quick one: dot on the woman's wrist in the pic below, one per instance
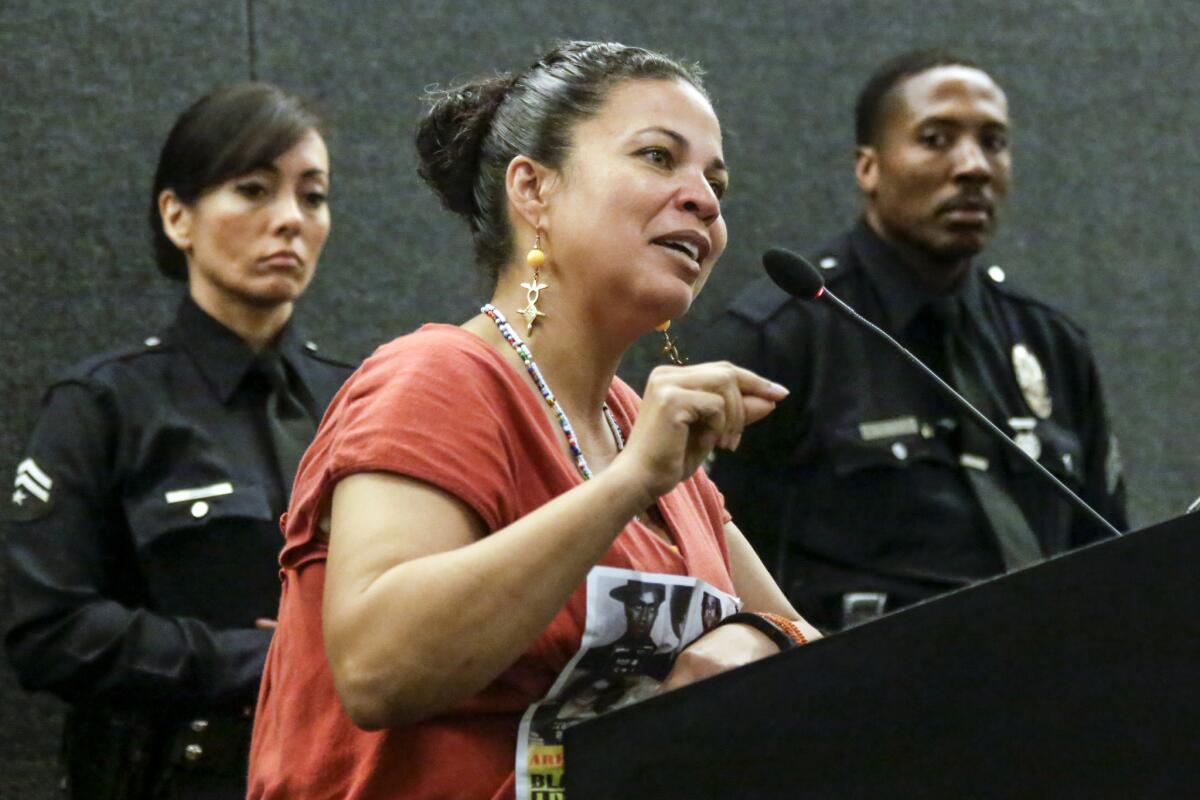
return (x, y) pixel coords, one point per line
(626, 488)
(780, 630)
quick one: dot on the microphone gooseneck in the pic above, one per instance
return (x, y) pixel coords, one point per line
(797, 277)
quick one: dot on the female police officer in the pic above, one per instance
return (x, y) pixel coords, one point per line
(142, 558)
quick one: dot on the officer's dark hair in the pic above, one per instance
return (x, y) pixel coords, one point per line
(230, 131)
(869, 110)
(472, 131)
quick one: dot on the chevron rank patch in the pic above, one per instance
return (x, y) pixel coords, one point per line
(32, 495)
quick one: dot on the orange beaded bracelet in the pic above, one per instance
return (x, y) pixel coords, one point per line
(787, 626)
(780, 630)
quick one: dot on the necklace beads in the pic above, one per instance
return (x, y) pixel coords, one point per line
(531, 367)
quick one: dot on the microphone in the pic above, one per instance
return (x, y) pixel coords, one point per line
(797, 277)
(793, 274)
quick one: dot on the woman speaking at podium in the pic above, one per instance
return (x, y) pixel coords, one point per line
(467, 479)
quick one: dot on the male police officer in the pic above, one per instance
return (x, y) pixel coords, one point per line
(865, 491)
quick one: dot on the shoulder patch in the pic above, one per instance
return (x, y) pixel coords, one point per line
(33, 493)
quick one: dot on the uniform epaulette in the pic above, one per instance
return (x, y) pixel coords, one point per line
(313, 351)
(759, 301)
(995, 279)
(88, 366)
(832, 264)
(763, 299)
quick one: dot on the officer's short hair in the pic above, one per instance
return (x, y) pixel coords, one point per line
(868, 111)
(230, 131)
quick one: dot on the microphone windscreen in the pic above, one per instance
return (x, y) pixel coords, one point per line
(793, 273)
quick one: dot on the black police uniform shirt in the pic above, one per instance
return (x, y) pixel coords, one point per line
(144, 531)
(853, 491)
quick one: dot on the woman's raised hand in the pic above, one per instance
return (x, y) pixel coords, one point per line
(686, 412)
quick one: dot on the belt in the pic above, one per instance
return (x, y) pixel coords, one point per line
(213, 744)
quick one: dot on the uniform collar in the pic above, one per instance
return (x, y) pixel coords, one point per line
(900, 293)
(219, 353)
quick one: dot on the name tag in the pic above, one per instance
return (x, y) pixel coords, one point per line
(972, 461)
(888, 428)
(199, 493)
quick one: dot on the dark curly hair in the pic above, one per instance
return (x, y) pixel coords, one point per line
(472, 131)
(230, 131)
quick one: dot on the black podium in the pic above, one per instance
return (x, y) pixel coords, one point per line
(1075, 678)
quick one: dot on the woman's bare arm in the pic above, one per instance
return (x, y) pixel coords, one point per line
(422, 609)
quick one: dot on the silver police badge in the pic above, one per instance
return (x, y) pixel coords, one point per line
(1032, 380)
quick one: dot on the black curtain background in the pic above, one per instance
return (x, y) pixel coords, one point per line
(1107, 170)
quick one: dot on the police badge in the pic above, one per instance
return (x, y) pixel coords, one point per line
(1032, 380)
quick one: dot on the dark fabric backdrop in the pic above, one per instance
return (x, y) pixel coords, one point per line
(1107, 169)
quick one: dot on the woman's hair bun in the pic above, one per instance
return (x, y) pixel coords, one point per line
(450, 136)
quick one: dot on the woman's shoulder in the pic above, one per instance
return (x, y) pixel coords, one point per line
(443, 363)
(435, 343)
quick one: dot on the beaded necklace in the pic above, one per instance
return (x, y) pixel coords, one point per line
(531, 367)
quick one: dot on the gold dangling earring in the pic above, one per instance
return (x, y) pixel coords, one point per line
(670, 346)
(534, 258)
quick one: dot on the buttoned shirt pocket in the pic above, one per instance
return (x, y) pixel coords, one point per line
(880, 498)
(155, 516)
(209, 552)
(851, 452)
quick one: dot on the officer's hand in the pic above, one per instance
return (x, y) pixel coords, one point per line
(686, 412)
(722, 648)
(264, 624)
